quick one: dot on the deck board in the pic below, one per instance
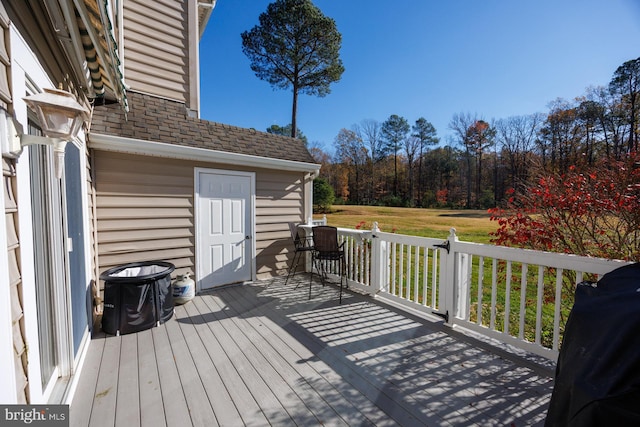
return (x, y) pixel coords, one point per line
(221, 401)
(200, 410)
(104, 404)
(174, 404)
(80, 411)
(272, 379)
(264, 354)
(128, 393)
(150, 399)
(245, 404)
(302, 402)
(286, 363)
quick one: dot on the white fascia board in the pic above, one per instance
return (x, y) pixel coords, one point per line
(161, 149)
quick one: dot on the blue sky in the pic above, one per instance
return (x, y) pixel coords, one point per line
(424, 58)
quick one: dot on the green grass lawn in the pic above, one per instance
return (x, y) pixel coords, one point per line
(470, 225)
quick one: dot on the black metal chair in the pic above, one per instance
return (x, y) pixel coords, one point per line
(302, 245)
(327, 252)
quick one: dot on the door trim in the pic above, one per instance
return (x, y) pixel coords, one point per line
(198, 224)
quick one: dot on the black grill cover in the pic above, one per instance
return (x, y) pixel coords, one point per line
(597, 379)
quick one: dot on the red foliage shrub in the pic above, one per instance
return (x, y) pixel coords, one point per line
(594, 213)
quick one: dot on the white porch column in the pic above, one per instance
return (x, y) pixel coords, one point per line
(449, 281)
(379, 261)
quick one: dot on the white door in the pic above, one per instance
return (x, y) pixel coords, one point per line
(224, 227)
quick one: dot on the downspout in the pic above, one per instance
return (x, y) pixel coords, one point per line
(308, 209)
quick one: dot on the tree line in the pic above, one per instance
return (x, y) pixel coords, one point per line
(483, 163)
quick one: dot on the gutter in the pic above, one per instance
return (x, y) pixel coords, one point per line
(182, 152)
(207, 7)
(63, 22)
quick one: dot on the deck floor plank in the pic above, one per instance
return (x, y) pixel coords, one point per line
(249, 410)
(263, 353)
(290, 388)
(349, 404)
(352, 386)
(376, 390)
(264, 393)
(104, 404)
(128, 395)
(220, 399)
(80, 411)
(149, 380)
(174, 402)
(195, 393)
(294, 370)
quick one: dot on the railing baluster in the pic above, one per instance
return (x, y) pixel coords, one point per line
(362, 246)
(539, 304)
(494, 293)
(408, 282)
(425, 275)
(523, 298)
(368, 247)
(393, 268)
(480, 277)
(434, 277)
(416, 270)
(558, 303)
(468, 273)
(507, 300)
(400, 272)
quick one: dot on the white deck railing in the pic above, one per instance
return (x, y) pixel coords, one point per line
(517, 296)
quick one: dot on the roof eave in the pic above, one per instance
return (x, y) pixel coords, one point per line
(205, 7)
(161, 149)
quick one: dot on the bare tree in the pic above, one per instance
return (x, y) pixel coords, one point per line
(369, 132)
(460, 124)
(411, 146)
(351, 150)
(516, 137)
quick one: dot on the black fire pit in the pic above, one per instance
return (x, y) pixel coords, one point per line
(137, 296)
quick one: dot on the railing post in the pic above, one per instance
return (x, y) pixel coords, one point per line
(447, 282)
(378, 261)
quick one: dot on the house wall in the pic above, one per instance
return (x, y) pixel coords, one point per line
(158, 58)
(20, 360)
(18, 295)
(145, 211)
(13, 354)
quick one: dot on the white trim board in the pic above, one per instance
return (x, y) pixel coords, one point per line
(161, 149)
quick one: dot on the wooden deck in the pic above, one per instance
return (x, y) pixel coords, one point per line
(265, 354)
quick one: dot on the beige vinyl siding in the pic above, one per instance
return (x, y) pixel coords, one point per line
(279, 200)
(15, 280)
(93, 246)
(11, 216)
(156, 47)
(145, 211)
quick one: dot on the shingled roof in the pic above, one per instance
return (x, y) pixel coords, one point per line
(160, 120)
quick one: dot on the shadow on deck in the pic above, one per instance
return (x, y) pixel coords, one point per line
(266, 354)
